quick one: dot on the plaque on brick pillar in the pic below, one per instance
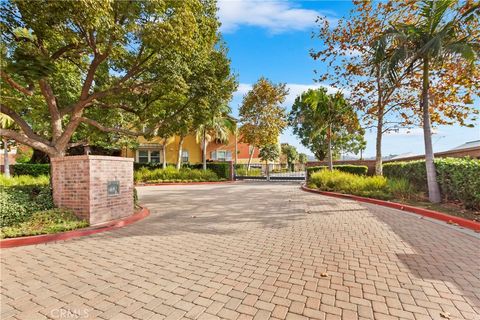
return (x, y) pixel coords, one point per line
(96, 188)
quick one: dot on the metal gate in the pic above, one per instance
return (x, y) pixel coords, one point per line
(270, 172)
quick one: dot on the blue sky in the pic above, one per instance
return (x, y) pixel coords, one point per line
(273, 39)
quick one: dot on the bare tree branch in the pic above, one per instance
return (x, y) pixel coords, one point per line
(57, 54)
(77, 144)
(103, 128)
(22, 124)
(24, 139)
(97, 60)
(27, 91)
(55, 117)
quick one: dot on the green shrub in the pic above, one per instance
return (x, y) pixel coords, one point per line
(459, 178)
(253, 172)
(21, 196)
(360, 170)
(401, 188)
(24, 181)
(44, 222)
(222, 169)
(31, 169)
(344, 182)
(172, 174)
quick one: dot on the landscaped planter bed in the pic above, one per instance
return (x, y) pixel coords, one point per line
(44, 238)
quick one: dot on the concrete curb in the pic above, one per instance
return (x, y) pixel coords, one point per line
(475, 226)
(44, 238)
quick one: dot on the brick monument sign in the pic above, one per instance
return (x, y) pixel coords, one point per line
(97, 188)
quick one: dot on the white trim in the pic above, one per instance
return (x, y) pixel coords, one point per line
(149, 155)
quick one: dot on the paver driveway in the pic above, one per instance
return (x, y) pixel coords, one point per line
(250, 250)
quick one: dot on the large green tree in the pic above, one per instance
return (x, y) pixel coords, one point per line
(443, 33)
(262, 116)
(290, 153)
(325, 123)
(353, 55)
(70, 68)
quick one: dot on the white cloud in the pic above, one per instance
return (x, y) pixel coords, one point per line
(275, 16)
(413, 132)
(242, 89)
(295, 89)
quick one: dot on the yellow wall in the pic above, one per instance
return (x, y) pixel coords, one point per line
(190, 144)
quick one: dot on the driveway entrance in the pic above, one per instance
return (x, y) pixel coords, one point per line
(250, 250)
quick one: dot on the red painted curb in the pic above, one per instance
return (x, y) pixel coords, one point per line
(43, 238)
(473, 225)
(181, 183)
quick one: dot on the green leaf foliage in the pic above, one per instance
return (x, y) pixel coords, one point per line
(459, 178)
(171, 174)
(22, 196)
(314, 111)
(359, 170)
(31, 169)
(45, 222)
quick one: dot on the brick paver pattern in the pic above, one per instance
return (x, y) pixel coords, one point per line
(250, 251)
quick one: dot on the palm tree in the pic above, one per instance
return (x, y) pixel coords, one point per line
(219, 128)
(5, 123)
(439, 34)
(329, 112)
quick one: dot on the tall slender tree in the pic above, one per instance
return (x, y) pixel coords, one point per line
(442, 33)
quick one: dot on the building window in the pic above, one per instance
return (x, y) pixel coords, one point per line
(145, 156)
(184, 156)
(142, 156)
(155, 156)
(221, 155)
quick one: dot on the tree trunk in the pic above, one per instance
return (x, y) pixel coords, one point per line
(250, 158)
(329, 141)
(236, 148)
(267, 170)
(179, 158)
(204, 151)
(380, 111)
(6, 161)
(164, 154)
(378, 149)
(433, 188)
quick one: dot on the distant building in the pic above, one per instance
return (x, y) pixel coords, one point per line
(468, 145)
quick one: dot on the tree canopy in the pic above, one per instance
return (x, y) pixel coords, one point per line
(318, 118)
(262, 116)
(74, 70)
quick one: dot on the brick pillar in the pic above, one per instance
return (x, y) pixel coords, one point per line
(96, 188)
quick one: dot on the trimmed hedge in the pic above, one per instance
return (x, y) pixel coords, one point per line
(222, 169)
(31, 169)
(459, 178)
(173, 175)
(360, 170)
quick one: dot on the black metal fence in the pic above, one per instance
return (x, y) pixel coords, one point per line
(270, 172)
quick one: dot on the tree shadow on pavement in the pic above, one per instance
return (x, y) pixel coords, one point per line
(447, 256)
(218, 209)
